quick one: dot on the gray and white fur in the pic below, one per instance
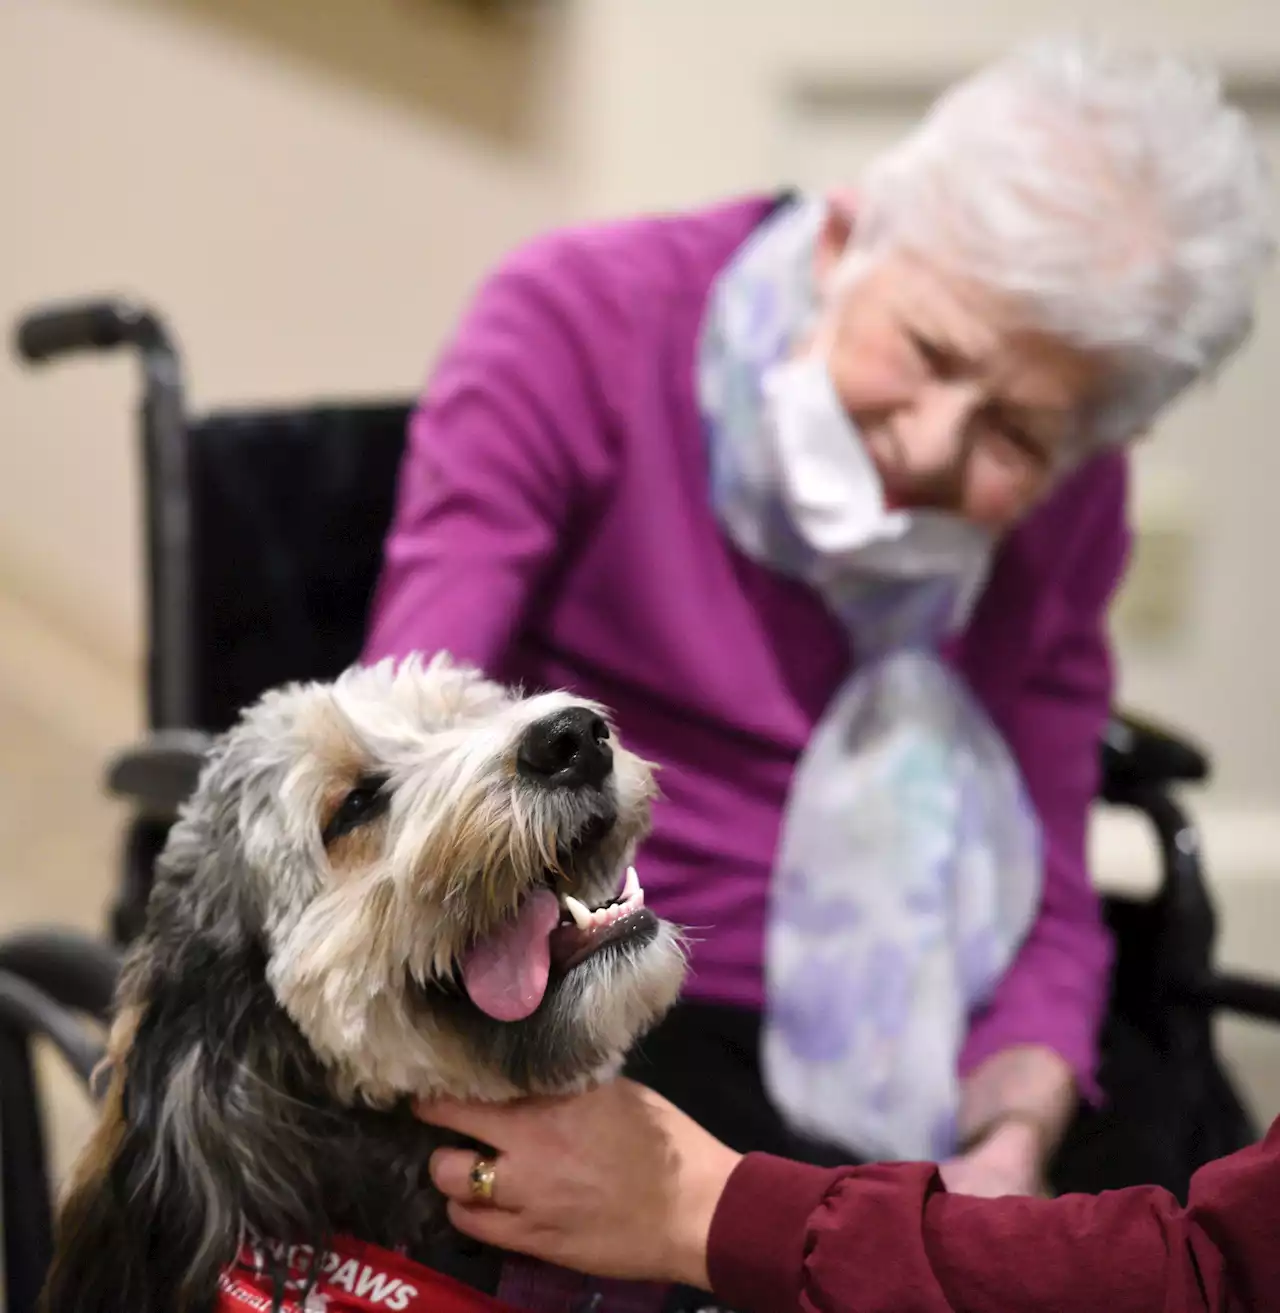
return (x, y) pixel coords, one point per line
(296, 985)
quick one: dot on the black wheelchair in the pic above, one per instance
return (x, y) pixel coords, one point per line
(264, 532)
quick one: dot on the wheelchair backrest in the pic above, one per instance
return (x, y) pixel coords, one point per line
(289, 509)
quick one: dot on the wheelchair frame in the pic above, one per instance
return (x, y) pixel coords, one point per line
(47, 976)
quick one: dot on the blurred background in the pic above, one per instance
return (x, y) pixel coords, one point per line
(309, 189)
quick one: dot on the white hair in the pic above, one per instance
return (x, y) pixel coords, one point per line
(1115, 195)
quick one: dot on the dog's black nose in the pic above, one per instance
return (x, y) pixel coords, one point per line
(566, 750)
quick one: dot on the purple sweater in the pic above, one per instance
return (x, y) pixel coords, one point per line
(553, 527)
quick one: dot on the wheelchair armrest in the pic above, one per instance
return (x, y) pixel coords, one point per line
(161, 772)
(29, 1013)
(1230, 991)
(1138, 755)
(1182, 924)
(34, 1015)
(75, 970)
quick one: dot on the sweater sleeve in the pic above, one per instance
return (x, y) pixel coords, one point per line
(1054, 994)
(505, 446)
(890, 1239)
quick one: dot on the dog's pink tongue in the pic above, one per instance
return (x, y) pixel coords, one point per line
(506, 973)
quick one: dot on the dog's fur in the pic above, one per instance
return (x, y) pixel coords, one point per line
(287, 999)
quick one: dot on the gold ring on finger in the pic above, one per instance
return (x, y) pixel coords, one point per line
(483, 1174)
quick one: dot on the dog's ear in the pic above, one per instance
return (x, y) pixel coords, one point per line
(200, 1138)
(219, 1122)
(215, 1117)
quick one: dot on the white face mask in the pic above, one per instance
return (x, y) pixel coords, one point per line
(835, 499)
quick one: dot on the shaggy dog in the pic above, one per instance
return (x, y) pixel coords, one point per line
(407, 882)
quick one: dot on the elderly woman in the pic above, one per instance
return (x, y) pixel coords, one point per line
(824, 497)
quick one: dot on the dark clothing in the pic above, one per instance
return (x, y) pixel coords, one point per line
(705, 1058)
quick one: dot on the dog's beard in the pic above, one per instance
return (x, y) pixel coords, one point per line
(542, 999)
(611, 972)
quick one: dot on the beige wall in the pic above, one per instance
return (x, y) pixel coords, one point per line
(309, 187)
(688, 97)
(306, 188)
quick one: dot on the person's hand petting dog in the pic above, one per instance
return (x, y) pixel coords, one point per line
(616, 1182)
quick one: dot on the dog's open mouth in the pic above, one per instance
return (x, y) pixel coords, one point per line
(506, 974)
(583, 931)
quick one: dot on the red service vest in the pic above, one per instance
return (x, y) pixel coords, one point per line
(354, 1278)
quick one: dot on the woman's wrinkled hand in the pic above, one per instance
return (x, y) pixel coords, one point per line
(615, 1182)
(1006, 1163)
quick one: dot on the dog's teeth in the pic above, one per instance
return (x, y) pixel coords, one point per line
(632, 886)
(581, 917)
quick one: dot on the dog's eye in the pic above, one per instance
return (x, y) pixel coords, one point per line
(366, 801)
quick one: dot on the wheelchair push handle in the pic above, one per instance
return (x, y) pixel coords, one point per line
(61, 328)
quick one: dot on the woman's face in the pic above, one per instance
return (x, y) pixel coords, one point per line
(960, 407)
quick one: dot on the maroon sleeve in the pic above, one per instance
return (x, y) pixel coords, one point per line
(890, 1239)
